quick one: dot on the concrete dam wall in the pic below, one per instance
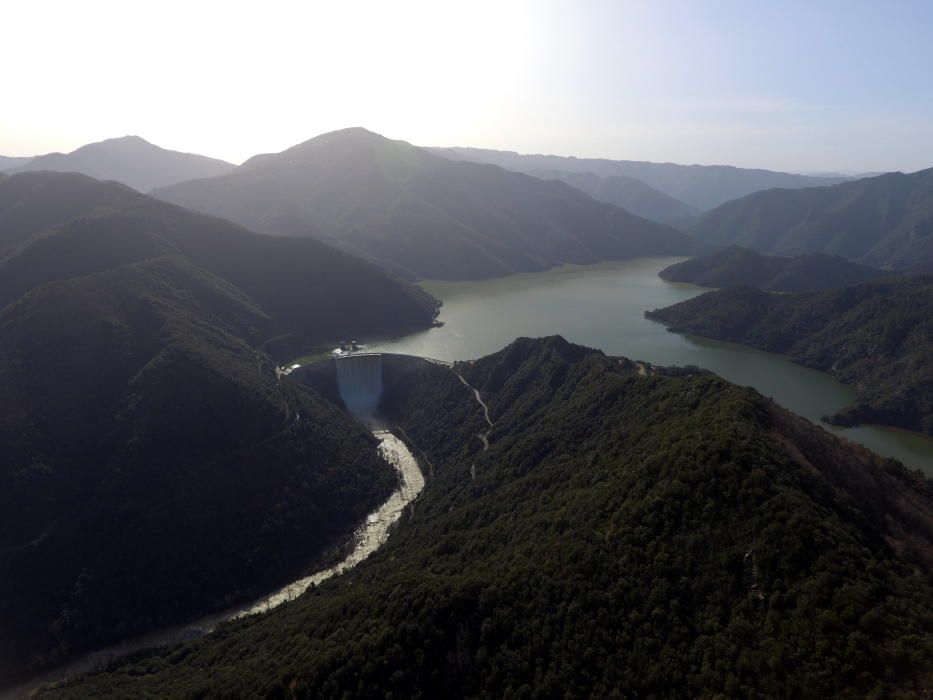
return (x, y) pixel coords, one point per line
(364, 383)
(359, 382)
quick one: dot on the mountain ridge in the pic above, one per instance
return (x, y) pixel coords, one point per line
(294, 280)
(627, 193)
(701, 186)
(128, 159)
(884, 221)
(421, 215)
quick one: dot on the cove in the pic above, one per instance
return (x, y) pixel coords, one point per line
(602, 306)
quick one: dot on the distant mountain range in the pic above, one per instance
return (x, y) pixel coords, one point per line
(884, 221)
(422, 215)
(877, 336)
(701, 187)
(153, 465)
(130, 160)
(669, 535)
(10, 163)
(626, 193)
(736, 266)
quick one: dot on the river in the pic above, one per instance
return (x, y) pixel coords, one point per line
(602, 306)
(367, 538)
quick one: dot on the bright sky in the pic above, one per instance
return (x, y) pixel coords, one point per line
(803, 85)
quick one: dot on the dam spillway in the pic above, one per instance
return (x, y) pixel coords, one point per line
(359, 381)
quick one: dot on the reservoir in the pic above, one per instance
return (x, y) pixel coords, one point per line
(602, 306)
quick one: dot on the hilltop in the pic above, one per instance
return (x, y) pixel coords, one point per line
(130, 159)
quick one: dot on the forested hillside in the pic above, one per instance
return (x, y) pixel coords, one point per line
(153, 466)
(884, 221)
(668, 535)
(736, 266)
(875, 336)
(68, 225)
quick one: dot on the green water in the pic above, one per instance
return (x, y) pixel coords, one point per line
(602, 306)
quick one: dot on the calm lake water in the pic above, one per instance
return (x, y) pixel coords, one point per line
(602, 306)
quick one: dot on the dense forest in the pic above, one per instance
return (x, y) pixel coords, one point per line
(736, 267)
(420, 215)
(884, 221)
(153, 465)
(875, 336)
(667, 535)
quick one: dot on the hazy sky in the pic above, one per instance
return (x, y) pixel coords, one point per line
(806, 86)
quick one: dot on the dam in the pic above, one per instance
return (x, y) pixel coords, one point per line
(359, 381)
(362, 382)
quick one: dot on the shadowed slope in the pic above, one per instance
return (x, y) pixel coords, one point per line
(153, 466)
(311, 292)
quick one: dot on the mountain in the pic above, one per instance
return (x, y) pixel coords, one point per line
(736, 267)
(667, 535)
(876, 336)
(154, 466)
(700, 186)
(34, 202)
(626, 193)
(12, 162)
(130, 160)
(884, 221)
(310, 292)
(421, 215)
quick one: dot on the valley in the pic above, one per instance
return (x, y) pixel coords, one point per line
(603, 492)
(466, 351)
(603, 306)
